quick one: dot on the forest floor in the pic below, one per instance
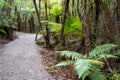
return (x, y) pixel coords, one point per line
(58, 73)
(20, 60)
(3, 42)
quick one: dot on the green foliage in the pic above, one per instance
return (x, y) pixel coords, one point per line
(70, 54)
(26, 10)
(102, 51)
(65, 63)
(115, 76)
(73, 25)
(91, 65)
(55, 11)
(97, 74)
(2, 31)
(55, 27)
(4, 3)
(117, 53)
(82, 65)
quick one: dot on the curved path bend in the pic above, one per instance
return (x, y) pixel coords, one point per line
(20, 60)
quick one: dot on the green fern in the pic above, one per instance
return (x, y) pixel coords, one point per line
(117, 53)
(86, 67)
(73, 25)
(97, 74)
(103, 49)
(2, 31)
(81, 64)
(70, 54)
(89, 66)
(65, 63)
(55, 27)
(108, 56)
(82, 67)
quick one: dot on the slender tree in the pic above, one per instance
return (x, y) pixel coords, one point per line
(47, 36)
(63, 21)
(39, 19)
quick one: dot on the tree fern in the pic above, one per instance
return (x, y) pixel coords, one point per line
(103, 49)
(70, 54)
(73, 25)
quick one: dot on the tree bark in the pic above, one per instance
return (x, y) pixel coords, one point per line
(47, 36)
(63, 21)
(39, 19)
(109, 24)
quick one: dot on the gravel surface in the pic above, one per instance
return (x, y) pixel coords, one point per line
(20, 60)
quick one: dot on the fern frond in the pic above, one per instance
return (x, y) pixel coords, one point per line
(64, 63)
(82, 67)
(108, 56)
(70, 54)
(96, 62)
(117, 53)
(103, 49)
(97, 74)
(2, 31)
(85, 75)
(85, 67)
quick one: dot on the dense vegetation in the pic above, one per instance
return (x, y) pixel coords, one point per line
(86, 33)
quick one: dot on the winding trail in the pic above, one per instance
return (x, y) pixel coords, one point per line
(20, 60)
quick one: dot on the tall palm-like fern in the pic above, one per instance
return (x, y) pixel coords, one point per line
(88, 66)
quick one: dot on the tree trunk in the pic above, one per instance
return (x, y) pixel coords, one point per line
(109, 24)
(63, 22)
(73, 7)
(39, 19)
(32, 25)
(19, 21)
(47, 36)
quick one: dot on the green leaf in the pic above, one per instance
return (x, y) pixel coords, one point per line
(2, 31)
(64, 63)
(70, 54)
(55, 27)
(102, 49)
(97, 74)
(102, 56)
(82, 67)
(117, 53)
(73, 25)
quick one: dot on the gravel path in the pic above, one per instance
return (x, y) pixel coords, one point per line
(20, 60)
